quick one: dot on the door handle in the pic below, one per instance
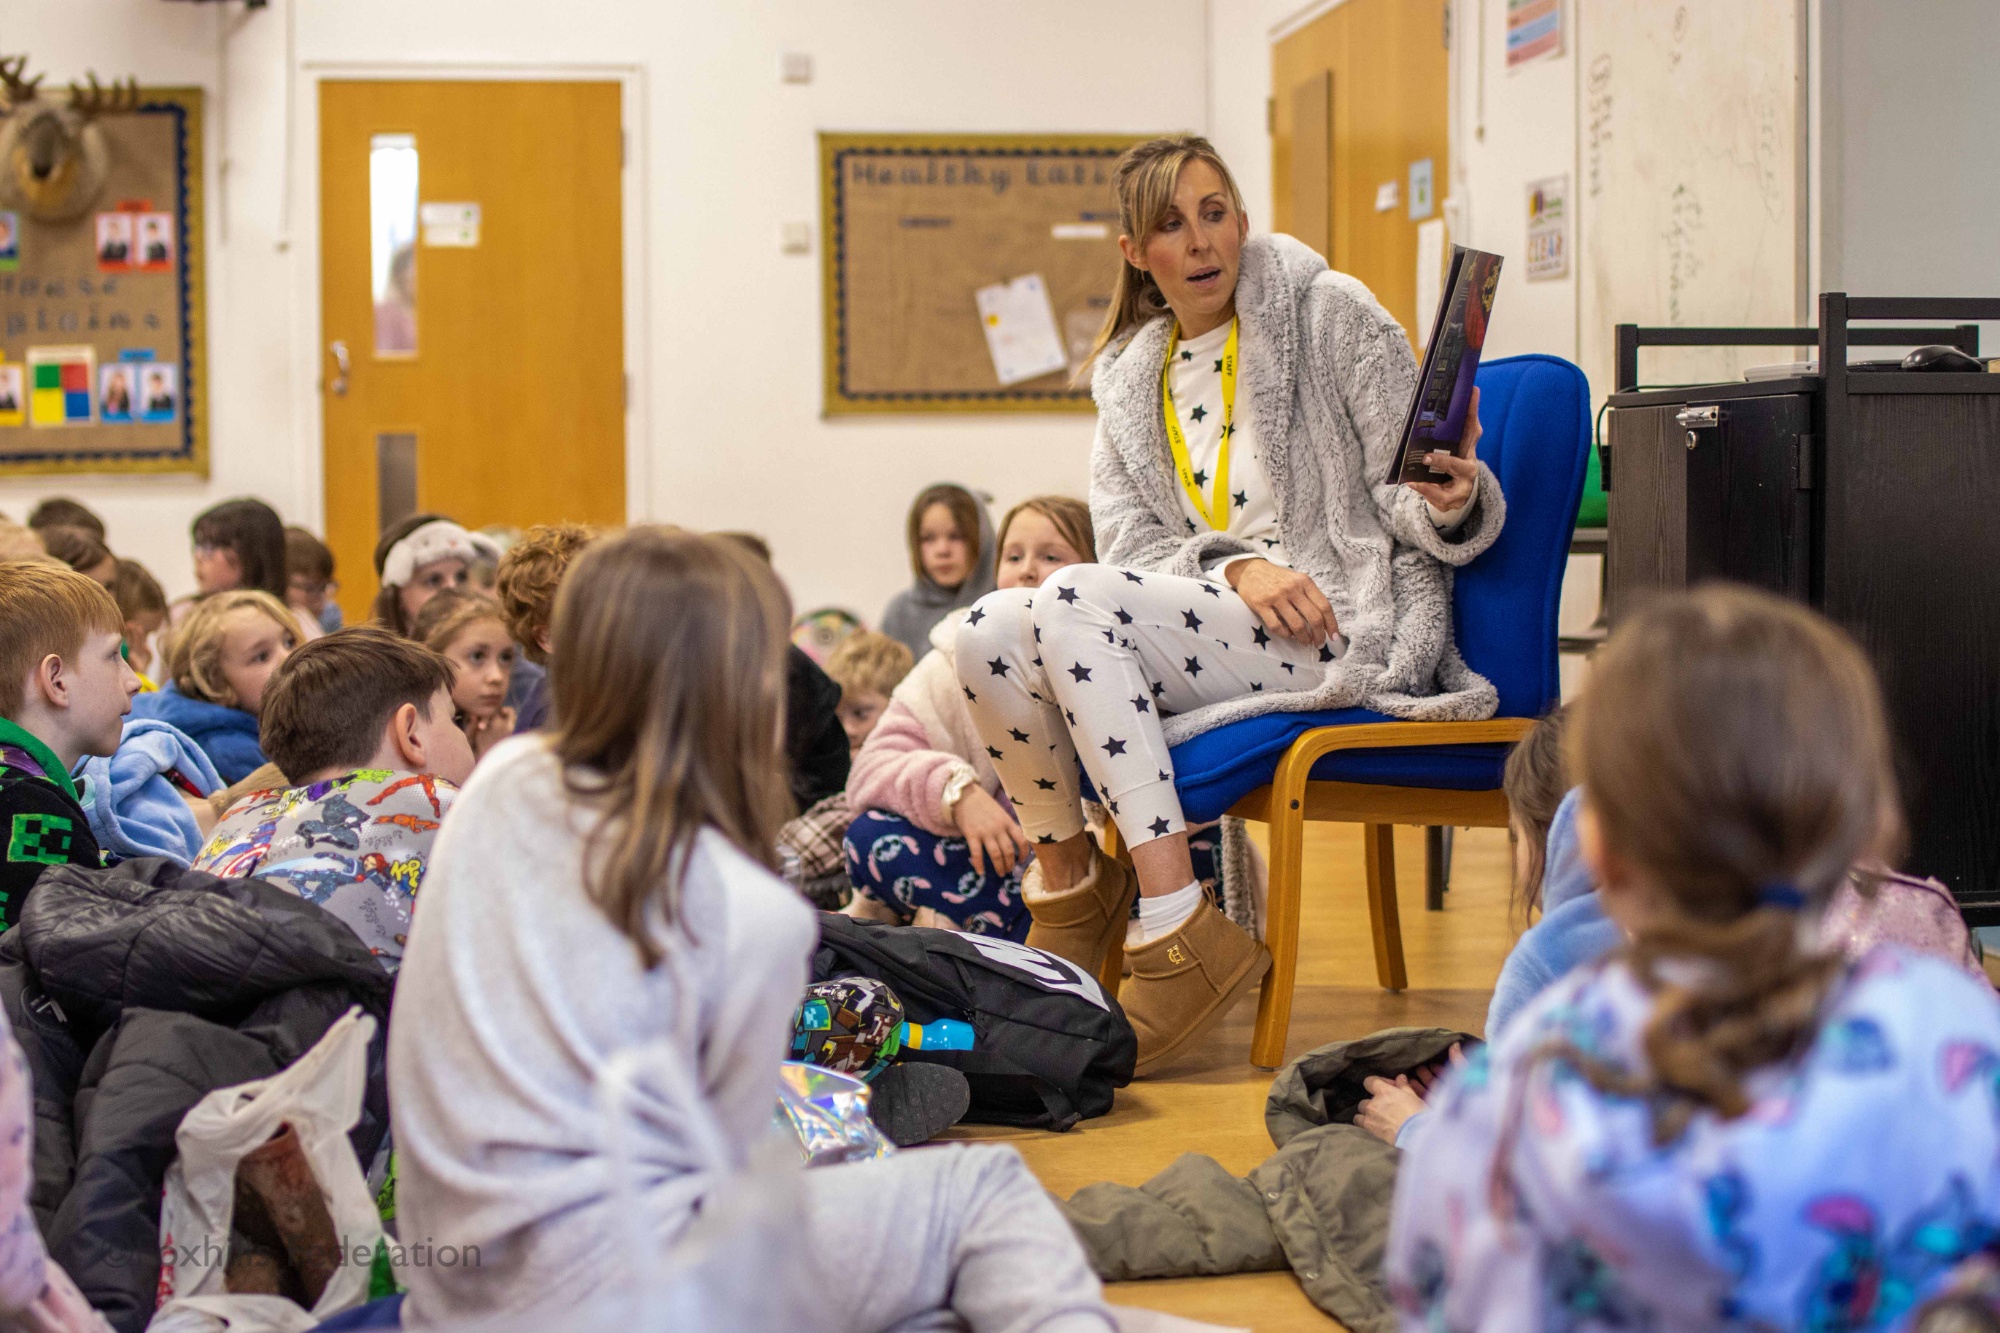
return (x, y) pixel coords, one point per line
(338, 384)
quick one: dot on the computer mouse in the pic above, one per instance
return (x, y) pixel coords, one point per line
(1941, 356)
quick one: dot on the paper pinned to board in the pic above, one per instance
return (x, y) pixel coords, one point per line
(1020, 324)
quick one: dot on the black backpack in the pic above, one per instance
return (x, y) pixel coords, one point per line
(1049, 1045)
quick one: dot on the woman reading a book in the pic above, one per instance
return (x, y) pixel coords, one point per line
(1255, 559)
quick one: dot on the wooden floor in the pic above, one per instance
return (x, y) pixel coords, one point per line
(1213, 1100)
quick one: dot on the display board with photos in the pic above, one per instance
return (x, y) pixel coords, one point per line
(102, 355)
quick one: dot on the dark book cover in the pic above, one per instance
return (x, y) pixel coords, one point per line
(1444, 386)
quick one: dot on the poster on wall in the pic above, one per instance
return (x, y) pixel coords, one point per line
(1548, 229)
(101, 311)
(1534, 31)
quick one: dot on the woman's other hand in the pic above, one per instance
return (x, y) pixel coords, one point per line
(1389, 1104)
(1289, 603)
(1451, 496)
(990, 833)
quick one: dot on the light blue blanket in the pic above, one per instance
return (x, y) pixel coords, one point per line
(133, 808)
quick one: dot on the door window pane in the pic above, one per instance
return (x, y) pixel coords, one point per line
(392, 227)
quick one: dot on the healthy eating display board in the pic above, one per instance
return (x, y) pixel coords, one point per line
(964, 273)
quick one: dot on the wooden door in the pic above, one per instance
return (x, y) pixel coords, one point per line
(496, 394)
(1388, 108)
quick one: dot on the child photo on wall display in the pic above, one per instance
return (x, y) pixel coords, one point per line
(158, 393)
(10, 395)
(156, 242)
(114, 398)
(10, 242)
(114, 241)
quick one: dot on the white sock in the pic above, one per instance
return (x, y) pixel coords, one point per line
(1163, 915)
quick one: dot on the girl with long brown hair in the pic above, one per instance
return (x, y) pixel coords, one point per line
(608, 886)
(1724, 1125)
(1249, 402)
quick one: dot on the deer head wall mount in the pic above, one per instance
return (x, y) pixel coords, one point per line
(53, 155)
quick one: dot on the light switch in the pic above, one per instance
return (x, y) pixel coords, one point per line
(797, 238)
(795, 67)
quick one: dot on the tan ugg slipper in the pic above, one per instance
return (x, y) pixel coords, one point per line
(1078, 924)
(1184, 983)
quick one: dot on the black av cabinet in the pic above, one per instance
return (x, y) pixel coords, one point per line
(1873, 495)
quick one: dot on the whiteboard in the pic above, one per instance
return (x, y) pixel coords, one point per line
(1691, 158)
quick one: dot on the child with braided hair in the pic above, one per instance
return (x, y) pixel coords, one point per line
(1725, 1124)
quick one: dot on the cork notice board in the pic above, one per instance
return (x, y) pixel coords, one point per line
(915, 225)
(101, 317)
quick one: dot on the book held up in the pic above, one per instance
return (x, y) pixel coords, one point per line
(1436, 420)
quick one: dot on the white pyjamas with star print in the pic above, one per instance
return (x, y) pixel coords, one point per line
(1083, 666)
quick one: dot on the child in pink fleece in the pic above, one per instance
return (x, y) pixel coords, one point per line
(934, 840)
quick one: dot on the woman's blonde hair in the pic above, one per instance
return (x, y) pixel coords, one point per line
(1734, 751)
(1145, 178)
(667, 682)
(1071, 518)
(194, 653)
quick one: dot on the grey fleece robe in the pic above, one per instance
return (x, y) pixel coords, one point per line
(1330, 376)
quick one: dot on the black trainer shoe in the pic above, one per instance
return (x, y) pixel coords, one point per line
(915, 1102)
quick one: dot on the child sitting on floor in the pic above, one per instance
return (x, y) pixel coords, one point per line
(866, 666)
(1549, 878)
(417, 559)
(218, 663)
(951, 546)
(526, 584)
(64, 693)
(1725, 1124)
(934, 841)
(143, 605)
(362, 724)
(239, 544)
(607, 887)
(309, 582)
(467, 628)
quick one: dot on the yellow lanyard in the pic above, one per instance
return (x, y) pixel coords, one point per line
(1216, 514)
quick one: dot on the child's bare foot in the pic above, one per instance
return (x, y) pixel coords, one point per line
(933, 919)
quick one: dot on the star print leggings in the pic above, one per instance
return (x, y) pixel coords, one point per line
(1086, 665)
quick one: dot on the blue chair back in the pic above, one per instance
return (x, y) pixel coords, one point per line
(1535, 417)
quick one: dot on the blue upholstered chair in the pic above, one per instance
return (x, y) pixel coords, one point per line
(1357, 766)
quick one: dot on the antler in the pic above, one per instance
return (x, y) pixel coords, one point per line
(102, 100)
(18, 90)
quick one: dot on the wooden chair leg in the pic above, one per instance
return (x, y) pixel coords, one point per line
(1379, 843)
(1435, 867)
(1281, 936)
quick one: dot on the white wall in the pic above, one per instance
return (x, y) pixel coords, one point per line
(1912, 205)
(1510, 129)
(729, 155)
